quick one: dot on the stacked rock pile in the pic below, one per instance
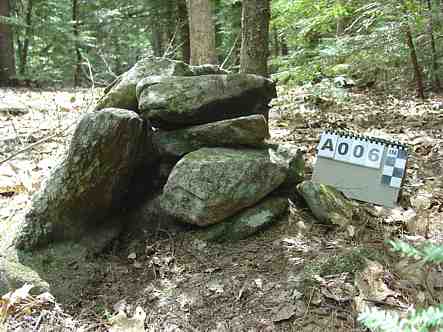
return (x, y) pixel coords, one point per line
(186, 143)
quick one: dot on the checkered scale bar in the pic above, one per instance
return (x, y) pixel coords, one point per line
(394, 166)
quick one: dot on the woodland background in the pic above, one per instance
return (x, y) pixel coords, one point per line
(76, 42)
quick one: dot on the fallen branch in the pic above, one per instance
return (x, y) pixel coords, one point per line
(27, 148)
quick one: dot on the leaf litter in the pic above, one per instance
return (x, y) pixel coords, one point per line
(295, 276)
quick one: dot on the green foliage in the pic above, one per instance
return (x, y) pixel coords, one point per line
(348, 262)
(372, 44)
(416, 320)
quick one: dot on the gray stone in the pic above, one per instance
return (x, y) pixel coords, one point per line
(91, 182)
(293, 157)
(14, 275)
(174, 102)
(211, 184)
(121, 93)
(327, 204)
(247, 222)
(244, 131)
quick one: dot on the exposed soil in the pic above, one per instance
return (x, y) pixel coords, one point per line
(295, 276)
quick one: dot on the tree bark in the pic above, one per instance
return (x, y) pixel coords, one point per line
(255, 36)
(7, 56)
(76, 31)
(413, 55)
(202, 32)
(24, 50)
(184, 30)
(340, 24)
(435, 66)
(276, 43)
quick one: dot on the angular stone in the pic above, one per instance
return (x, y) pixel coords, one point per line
(327, 204)
(173, 102)
(14, 275)
(91, 182)
(211, 184)
(244, 131)
(293, 157)
(121, 93)
(248, 221)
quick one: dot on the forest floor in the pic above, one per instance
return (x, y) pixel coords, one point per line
(295, 276)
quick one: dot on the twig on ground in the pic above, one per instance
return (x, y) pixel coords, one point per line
(27, 148)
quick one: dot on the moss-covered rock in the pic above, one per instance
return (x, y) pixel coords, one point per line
(244, 131)
(247, 222)
(211, 184)
(327, 204)
(14, 275)
(173, 102)
(122, 94)
(91, 181)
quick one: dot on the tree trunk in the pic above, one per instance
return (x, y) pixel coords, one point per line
(7, 56)
(284, 47)
(435, 66)
(276, 43)
(157, 39)
(255, 36)
(184, 30)
(24, 49)
(202, 32)
(76, 30)
(417, 70)
(340, 24)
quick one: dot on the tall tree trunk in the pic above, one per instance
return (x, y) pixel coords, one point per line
(7, 56)
(255, 36)
(202, 32)
(157, 39)
(418, 77)
(276, 43)
(435, 66)
(284, 46)
(24, 49)
(340, 24)
(76, 30)
(184, 30)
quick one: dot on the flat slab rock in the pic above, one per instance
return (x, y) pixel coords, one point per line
(174, 102)
(90, 182)
(248, 221)
(244, 131)
(211, 184)
(121, 93)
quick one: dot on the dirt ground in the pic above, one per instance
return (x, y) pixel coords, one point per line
(296, 275)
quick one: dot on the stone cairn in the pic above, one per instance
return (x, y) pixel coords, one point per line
(167, 143)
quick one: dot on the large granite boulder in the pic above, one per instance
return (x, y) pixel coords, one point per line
(121, 92)
(173, 102)
(211, 184)
(247, 222)
(244, 131)
(91, 182)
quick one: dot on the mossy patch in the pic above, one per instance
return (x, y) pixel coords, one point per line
(347, 262)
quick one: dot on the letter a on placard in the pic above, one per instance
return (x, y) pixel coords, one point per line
(327, 145)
